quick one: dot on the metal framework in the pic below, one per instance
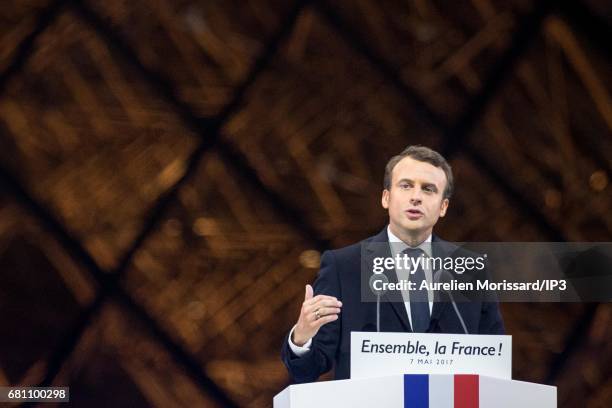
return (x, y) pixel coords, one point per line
(209, 129)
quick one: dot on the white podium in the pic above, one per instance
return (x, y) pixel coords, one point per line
(419, 391)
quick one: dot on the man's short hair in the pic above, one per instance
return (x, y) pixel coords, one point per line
(422, 154)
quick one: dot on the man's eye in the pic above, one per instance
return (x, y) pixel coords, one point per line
(429, 189)
(404, 186)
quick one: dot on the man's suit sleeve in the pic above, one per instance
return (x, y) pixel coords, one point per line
(321, 356)
(491, 321)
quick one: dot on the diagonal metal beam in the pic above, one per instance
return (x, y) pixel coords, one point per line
(504, 66)
(27, 45)
(597, 30)
(534, 213)
(498, 75)
(359, 45)
(455, 134)
(574, 341)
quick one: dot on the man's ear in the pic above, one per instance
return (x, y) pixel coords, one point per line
(385, 199)
(444, 207)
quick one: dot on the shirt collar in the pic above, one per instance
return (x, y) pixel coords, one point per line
(397, 245)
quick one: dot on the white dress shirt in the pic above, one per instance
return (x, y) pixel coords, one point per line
(396, 246)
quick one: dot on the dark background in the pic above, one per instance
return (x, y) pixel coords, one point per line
(170, 172)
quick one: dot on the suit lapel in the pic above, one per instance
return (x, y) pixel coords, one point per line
(440, 248)
(379, 247)
(397, 305)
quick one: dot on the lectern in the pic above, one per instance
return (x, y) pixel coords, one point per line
(419, 391)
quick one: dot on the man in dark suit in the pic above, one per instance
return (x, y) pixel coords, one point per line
(417, 186)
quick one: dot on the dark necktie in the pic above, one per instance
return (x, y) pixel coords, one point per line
(419, 302)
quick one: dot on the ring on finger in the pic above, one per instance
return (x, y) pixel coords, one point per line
(317, 315)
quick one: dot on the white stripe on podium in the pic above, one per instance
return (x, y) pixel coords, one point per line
(443, 396)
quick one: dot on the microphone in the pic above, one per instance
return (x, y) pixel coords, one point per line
(378, 292)
(444, 273)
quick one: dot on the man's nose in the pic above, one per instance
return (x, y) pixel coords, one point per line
(415, 196)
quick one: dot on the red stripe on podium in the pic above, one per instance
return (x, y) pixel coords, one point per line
(466, 391)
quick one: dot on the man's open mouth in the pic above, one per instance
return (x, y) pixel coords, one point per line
(413, 213)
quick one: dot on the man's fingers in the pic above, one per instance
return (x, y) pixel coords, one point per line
(327, 303)
(311, 309)
(326, 319)
(325, 311)
(320, 298)
(308, 294)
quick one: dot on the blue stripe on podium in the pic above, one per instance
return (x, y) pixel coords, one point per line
(416, 391)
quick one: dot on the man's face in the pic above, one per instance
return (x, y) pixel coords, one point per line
(415, 199)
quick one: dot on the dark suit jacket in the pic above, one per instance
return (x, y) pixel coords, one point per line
(340, 276)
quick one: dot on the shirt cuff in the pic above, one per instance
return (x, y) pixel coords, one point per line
(297, 350)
